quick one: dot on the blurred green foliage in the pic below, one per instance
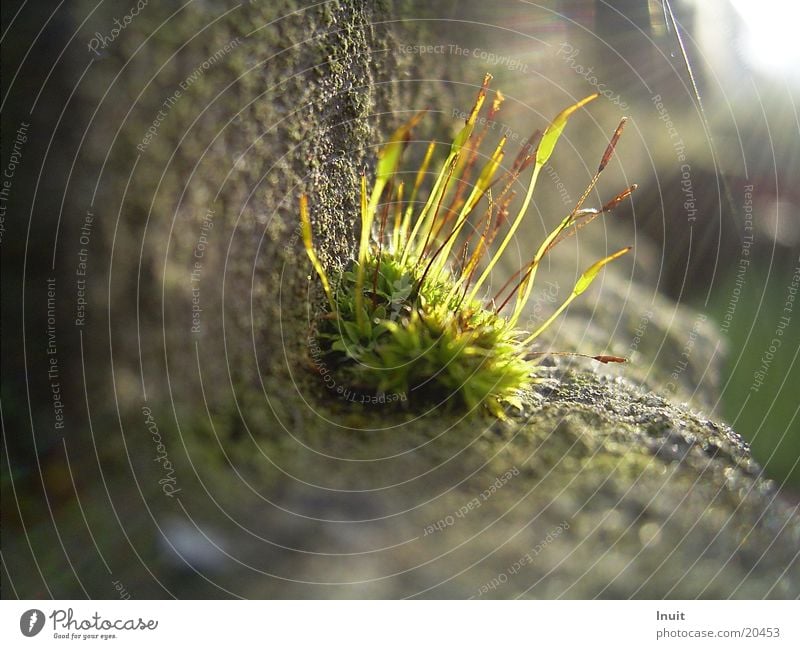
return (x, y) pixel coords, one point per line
(766, 414)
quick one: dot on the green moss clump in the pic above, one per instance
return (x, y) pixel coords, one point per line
(422, 339)
(405, 316)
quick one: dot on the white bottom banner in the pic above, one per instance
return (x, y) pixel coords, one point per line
(389, 624)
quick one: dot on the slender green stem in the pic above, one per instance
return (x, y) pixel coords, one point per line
(363, 248)
(549, 321)
(509, 235)
(308, 244)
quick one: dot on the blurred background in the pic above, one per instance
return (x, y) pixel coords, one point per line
(711, 91)
(713, 142)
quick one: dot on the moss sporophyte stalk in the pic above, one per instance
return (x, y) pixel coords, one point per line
(408, 315)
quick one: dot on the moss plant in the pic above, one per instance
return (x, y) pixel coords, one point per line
(407, 316)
